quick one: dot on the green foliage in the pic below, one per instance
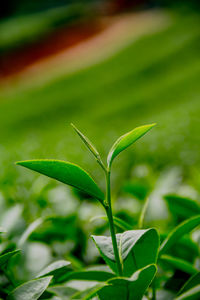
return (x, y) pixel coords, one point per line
(182, 207)
(7, 256)
(177, 263)
(129, 288)
(191, 283)
(192, 294)
(67, 173)
(126, 140)
(178, 232)
(57, 269)
(131, 256)
(31, 290)
(137, 248)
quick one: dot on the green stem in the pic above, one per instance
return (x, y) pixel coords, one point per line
(154, 290)
(111, 224)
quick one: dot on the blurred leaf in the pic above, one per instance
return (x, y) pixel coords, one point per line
(5, 257)
(62, 291)
(2, 230)
(177, 263)
(90, 275)
(67, 173)
(137, 249)
(117, 221)
(192, 294)
(178, 232)
(192, 282)
(182, 207)
(138, 188)
(142, 214)
(29, 230)
(30, 290)
(57, 269)
(128, 288)
(126, 140)
(89, 293)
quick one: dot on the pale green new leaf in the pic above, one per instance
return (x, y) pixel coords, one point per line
(126, 140)
(129, 288)
(178, 232)
(67, 173)
(178, 263)
(30, 290)
(192, 294)
(86, 141)
(137, 249)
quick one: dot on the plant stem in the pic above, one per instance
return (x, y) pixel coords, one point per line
(154, 290)
(111, 224)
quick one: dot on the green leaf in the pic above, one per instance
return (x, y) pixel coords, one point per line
(30, 290)
(177, 263)
(90, 275)
(86, 141)
(62, 291)
(29, 231)
(178, 232)
(192, 282)
(67, 173)
(126, 140)
(142, 214)
(192, 294)
(129, 288)
(57, 269)
(5, 257)
(88, 293)
(137, 249)
(182, 207)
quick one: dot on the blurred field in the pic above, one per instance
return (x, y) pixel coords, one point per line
(153, 79)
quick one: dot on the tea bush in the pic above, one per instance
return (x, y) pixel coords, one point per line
(136, 263)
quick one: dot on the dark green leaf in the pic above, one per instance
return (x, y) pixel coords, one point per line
(178, 232)
(128, 288)
(192, 294)
(30, 290)
(177, 263)
(5, 257)
(91, 275)
(192, 282)
(182, 207)
(67, 173)
(137, 249)
(126, 140)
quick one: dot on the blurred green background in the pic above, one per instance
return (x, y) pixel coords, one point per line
(153, 77)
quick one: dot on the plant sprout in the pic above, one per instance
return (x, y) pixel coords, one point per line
(75, 176)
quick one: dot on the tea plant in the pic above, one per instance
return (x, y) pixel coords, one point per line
(131, 256)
